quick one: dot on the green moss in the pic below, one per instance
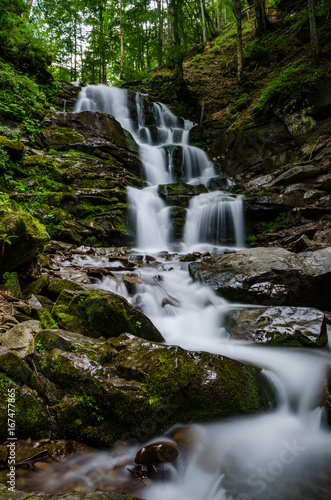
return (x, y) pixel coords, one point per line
(30, 416)
(10, 283)
(15, 367)
(168, 373)
(46, 319)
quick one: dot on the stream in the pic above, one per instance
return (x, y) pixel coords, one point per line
(282, 454)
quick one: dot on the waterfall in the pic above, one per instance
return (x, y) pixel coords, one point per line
(214, 217)
(281, 454)
(167, 157)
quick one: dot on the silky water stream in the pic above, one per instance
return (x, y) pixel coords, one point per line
(282, 454)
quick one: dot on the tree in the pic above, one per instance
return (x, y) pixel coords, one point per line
(314, 41)
(203, 20)
(237, 12)
(177, 56)
(262, 23)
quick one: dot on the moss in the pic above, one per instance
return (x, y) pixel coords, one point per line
(15, 149)
(96, 313)
(61, 137)
(31, 417)
(27, 238)
(15, 367)
(46, 320)
(57, 285)
(168, 373)
(10, 283)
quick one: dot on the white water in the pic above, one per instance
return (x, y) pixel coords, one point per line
(240, 458)
(260, 454)
(217, 227)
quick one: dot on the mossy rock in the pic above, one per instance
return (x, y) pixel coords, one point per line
(23, 237)
(97, 313)
(14, 367)
(127, 388)
(36, 287)
(31, 416)
(46, 319)
(57, 285)
(15, 149)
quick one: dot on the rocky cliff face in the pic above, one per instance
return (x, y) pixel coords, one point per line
(283, 169)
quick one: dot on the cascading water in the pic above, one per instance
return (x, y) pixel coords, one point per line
(167, 157)
(260, 457)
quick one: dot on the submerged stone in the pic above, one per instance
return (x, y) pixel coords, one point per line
(157, 453)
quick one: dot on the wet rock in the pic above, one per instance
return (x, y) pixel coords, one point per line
(98, 313)
(160, 384)
(25, 238)
(131, 281)
(298, 173)
(20, 338)
(56, 286)
(89, 131)
(157, 453)
(45, 388)
(179, 194)
(289, 326)
(269, 276)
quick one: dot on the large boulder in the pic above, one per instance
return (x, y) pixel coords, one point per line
(130, 389)
(22, 237)
(98, 313)
(90, 132)
(269, 276)
(280, 325)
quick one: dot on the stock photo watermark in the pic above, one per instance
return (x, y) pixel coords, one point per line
(266, 476)
(11, 423)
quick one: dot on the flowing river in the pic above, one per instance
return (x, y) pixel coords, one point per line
(282, 454)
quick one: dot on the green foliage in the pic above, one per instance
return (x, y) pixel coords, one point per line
(4, 159)
(280, 222)
(294, 82)
(19, 43)
(22, 100)
(5, 205)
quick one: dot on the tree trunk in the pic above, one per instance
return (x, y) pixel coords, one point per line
(261, 18)
(161, 40)
(75, 48)
(122, 42)
(103, 69)
(176, 39)
(203, 20)
(238, 16)
(314, 42)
